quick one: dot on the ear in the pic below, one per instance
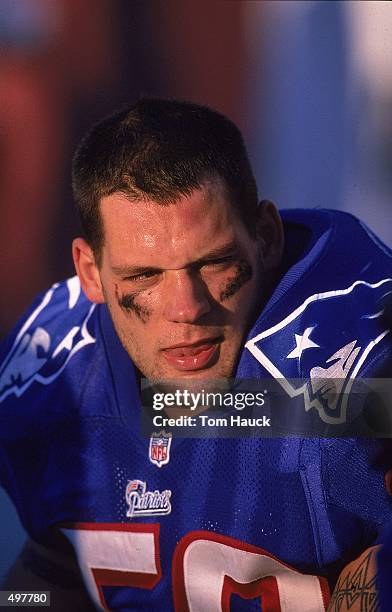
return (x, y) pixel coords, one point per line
(270, 234)
(87, 270)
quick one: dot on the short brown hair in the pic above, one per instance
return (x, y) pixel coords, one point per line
(160, 149)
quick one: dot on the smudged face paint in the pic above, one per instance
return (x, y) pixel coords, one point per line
(183, 282)
(243, 274)
(129, 304)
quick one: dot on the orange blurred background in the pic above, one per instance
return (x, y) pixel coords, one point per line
(307, 82)
(64, 65)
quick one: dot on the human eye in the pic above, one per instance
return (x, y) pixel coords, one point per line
(145, 277)
(218, 264)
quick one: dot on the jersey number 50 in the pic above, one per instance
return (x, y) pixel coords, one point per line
(207, 569)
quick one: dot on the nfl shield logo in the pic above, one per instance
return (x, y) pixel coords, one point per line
(159, 450)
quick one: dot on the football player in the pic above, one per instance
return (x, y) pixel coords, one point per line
(183, 274)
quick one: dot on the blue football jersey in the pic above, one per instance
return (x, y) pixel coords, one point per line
(384, 570)
(205, 524)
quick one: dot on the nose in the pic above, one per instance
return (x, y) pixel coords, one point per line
(187, 298)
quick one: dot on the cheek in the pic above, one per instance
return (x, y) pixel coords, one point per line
(243, 274)
(133, 304)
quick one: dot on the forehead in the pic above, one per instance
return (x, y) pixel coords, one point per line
(169, 236)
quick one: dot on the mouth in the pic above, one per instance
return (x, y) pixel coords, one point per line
(193, 356)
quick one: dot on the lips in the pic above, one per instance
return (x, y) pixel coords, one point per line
(195, 356)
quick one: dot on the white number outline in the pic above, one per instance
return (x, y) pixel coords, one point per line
(254, 572)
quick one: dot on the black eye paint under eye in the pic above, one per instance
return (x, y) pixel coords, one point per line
(243, 275)
(127, 302)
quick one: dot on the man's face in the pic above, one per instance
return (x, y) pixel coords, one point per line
(182, 282)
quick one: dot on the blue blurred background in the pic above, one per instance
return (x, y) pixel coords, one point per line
(309, 83)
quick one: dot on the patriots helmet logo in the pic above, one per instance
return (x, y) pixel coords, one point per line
(43, 346)
(319, 349)
(134, 487)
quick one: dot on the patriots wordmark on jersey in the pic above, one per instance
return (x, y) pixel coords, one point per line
(205, 524)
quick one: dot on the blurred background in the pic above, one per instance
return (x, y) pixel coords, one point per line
(309, 84)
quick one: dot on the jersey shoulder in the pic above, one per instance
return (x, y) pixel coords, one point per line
(49, 351)
(325, 320)
(57, 395)
(335, 244)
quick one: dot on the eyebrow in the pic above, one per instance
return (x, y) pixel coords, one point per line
(224, 251)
